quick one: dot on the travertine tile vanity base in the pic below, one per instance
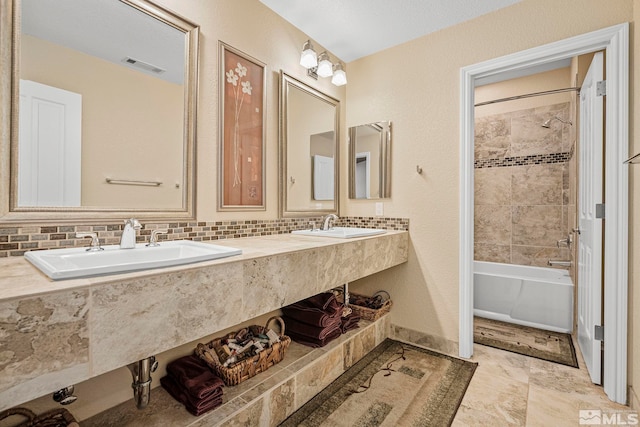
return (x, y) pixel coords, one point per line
(266, 399)
(60, 333)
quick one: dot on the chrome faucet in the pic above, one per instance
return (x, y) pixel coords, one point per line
(326, 222)
(128, 239)
(95, 242)
(153, 240)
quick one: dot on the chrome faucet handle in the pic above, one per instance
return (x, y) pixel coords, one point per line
(95, 242)
(566, 242)
(133, 222)
(153, 240)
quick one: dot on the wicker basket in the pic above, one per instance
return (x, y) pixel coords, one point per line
(54, 418)
(367, 313)
(247, 368)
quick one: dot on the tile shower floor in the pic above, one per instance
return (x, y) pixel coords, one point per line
(511, 389)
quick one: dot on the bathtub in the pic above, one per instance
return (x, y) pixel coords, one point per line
(530, 296)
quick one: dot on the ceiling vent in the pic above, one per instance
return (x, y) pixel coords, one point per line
(143, 65)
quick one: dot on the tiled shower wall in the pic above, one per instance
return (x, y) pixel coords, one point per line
(15, 241)
(522, 186)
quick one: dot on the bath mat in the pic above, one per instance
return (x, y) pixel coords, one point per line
(395, 383)
(546, 345)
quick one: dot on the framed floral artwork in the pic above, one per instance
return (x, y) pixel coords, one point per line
(242, 133)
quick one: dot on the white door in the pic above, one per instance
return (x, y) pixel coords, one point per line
(363, 175)
(49, 146)
(323, 184)
(590, 238)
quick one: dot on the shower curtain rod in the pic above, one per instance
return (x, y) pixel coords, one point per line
(529, 95)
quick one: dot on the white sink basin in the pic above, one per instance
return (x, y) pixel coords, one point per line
(78, 262)
(341, 232)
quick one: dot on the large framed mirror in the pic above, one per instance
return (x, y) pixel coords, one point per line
(102, 111)
(308, 150)
(370, 161)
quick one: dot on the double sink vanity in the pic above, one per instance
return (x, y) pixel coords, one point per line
(102, 260)
(66, 331)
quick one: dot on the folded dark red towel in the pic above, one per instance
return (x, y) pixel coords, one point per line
(325, 301)
(312, 342)
(196, 407)
(311, 315)
(194, 376)
(316, 332)
(350, 322)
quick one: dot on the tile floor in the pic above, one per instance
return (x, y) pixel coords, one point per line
(509, 389)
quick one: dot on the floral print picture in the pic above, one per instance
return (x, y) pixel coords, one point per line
(242, 104)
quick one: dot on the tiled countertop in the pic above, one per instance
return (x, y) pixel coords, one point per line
(20, 279)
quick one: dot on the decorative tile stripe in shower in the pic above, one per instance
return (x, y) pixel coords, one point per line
(15, 241)
(536, 159)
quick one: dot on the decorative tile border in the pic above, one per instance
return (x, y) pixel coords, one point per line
(536, 159)
(15, 241)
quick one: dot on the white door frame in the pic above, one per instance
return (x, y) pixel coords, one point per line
(615, 40)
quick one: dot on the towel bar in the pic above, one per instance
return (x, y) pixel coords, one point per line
(132, 182)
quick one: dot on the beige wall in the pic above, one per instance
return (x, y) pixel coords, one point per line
(416, 85)
(115, 100)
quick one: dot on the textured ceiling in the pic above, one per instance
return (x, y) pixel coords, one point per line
(352, 29)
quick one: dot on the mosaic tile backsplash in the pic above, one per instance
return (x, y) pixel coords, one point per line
(15, 241)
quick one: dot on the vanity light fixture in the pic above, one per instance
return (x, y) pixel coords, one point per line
(321, 65)
(339, 76)
(308, 58)
(325, 67)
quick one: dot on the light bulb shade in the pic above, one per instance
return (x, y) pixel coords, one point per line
(339, 76)
(309, 57)
(325, 67)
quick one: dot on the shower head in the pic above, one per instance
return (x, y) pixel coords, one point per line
(547, 124)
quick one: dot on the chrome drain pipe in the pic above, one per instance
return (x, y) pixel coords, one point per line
(141, 373)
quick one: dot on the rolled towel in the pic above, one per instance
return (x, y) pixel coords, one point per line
(194, 406)
(194, 376)
(300, 328)
(313, 342)
(311, 315)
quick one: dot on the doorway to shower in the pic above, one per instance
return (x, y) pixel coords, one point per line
(614, 41)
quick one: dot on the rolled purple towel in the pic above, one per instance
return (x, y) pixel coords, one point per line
(194, 376)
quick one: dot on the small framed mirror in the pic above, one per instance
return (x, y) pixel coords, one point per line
(308, 150)
(370, 161)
